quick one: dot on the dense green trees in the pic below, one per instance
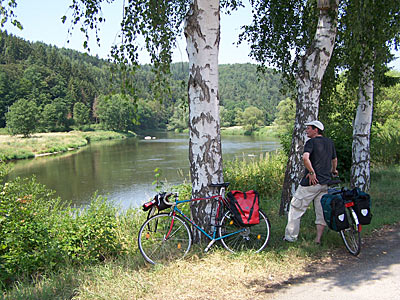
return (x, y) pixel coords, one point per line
(54, 116)
(47, 74)
(116, 112)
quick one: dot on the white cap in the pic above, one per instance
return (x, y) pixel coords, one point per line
(316, 123)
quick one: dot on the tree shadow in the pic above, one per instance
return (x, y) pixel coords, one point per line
(344, 270)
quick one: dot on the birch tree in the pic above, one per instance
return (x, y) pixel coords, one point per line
(368, 31)
(298, 38)
(202, 32)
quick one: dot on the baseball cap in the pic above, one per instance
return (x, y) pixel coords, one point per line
(316, 123)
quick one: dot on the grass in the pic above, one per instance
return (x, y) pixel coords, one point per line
(265, 131)
(17, 147)
(217, 274)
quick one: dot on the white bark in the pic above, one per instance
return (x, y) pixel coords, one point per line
(360, 167)
(202, 31)
(312, 68)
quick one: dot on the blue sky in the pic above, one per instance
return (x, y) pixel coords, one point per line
(41, 20)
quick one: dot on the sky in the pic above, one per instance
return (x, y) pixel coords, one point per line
(41, 20)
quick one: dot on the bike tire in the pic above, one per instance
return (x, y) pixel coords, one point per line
(153, 245)
(352, 236)
(254, 237)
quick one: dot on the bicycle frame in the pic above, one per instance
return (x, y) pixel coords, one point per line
(212, 236)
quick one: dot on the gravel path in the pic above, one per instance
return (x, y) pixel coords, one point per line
(374, 274)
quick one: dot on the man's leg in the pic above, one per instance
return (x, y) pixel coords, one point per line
(296, 210)
(320, 231)
(319, 214)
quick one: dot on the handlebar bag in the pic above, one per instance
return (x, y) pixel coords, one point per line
(244, 207)
(334, 212)
(160, 199)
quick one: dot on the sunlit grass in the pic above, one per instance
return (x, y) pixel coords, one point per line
(18, 147)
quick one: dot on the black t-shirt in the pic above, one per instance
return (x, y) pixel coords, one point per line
(322, 151)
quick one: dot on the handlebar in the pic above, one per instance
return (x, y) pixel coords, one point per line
(167, 197)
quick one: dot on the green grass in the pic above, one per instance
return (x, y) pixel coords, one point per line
(265, 131)
(17, 147)
(218, 274)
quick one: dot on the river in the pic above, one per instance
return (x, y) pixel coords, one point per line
(123, 170)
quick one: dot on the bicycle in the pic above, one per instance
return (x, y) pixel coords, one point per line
(351, 236)
(168, 236)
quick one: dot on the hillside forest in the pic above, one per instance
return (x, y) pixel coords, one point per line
(58, 89)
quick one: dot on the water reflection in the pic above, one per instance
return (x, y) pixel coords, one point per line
(124, 170)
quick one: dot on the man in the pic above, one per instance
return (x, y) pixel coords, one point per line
(320, 163)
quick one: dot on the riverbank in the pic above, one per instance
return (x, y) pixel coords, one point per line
(265, 131)
(40, 144)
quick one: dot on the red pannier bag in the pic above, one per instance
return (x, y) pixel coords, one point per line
(244, 207)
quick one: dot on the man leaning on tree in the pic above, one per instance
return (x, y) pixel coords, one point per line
(320, 163)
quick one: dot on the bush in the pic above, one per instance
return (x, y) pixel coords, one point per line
(87, 235)
(26, 244)
(39, 235)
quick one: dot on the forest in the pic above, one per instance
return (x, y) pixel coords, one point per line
(59, 89)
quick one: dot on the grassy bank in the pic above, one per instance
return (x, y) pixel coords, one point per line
(17, 147)
(265, 131)
(216, 275)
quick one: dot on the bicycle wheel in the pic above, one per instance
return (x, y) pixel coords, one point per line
(159, 241)
(253, 237)
(351, 236)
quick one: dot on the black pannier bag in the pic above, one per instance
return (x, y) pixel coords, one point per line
(334, 212)
(244, 207)
(362, 207)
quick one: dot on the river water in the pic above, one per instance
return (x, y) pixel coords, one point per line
(123, 170)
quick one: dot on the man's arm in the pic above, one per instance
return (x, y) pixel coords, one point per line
(312, 177)
(334, 166)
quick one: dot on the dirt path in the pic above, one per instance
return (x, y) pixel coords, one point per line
(374, 274)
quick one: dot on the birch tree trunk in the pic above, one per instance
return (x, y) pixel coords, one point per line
(361, 157)
(202, 32)
(311, 69)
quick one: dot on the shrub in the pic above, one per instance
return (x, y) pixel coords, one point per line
(26, 245)
(88, 235)
(39, 235)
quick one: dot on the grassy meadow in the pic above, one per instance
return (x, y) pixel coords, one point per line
(121, 273)
(18, 147)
